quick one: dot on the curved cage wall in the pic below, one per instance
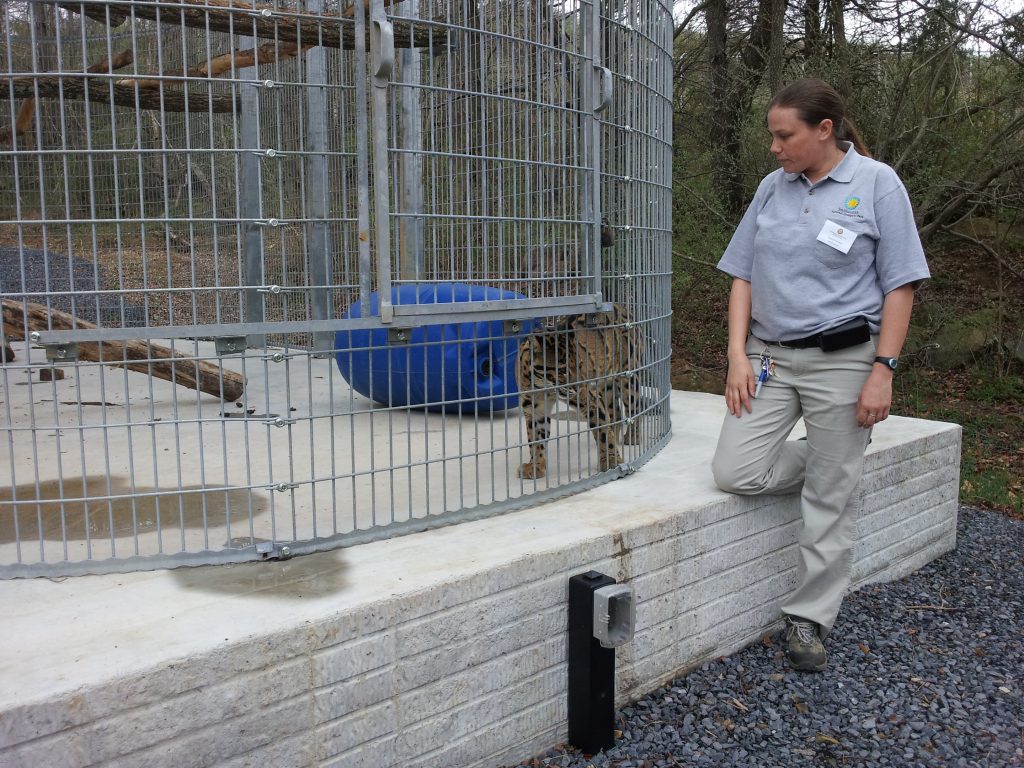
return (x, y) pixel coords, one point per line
(282, 277)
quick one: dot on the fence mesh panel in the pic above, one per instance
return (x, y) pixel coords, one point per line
(270, 272)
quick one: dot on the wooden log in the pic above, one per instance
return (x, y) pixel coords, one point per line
(268, 53)
(142, 356)
(236, 17)
(51, 374)
(27, 112)
(26, 117)
(75, 86)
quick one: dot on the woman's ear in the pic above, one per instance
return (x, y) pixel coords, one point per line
(825, 129)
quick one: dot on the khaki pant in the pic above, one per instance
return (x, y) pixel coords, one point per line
(754, 456)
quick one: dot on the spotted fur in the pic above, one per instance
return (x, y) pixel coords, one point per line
(591, 363)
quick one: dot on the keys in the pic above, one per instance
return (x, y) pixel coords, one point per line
(767, 371)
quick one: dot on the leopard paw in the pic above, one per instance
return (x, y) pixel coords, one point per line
(532, 470)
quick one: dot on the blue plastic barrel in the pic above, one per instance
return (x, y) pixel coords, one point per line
(453, 367)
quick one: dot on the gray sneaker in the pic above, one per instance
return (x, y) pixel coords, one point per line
(803, 646)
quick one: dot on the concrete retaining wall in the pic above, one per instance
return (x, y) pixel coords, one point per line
(445, 648)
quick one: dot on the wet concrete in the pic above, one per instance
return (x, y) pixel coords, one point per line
(95, 507)
(310, 576)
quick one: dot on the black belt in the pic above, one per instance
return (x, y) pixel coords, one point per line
(848, 334)
(804, 343)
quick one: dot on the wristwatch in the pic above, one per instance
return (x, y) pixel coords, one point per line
(889, 362)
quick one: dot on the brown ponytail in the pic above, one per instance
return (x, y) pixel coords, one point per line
(815, 100)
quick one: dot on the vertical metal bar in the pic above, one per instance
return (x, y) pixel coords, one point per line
(411, 225)
(362, 163)
(319, 250)
(592, 205)
(382, 52)
(250, 195)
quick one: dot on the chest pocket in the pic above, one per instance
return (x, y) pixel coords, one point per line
(863, 247)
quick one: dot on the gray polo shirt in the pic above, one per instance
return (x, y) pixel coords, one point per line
(801, 285)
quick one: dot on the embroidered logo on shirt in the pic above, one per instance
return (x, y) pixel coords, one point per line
(850, 208)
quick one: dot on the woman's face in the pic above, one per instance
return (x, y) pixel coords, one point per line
(799, 147)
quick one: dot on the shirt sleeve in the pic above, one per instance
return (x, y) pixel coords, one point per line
(899, 256)
(738, 259)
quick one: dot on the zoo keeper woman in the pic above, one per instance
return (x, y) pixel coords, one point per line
(824, 265)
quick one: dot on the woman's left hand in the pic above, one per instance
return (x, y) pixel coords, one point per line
(875, 398)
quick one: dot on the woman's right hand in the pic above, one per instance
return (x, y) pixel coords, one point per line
(739, 381)
(739, 384)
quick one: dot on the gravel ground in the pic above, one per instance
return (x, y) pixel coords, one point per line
(71, 283)
(927, 671)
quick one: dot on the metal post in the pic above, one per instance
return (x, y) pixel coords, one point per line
(382, 61)
(411, 139)
(362, 162)
(591, 670)
(319, 251)
(596, 83)
(251, 203)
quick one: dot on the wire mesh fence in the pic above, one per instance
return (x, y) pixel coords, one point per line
(282, 277)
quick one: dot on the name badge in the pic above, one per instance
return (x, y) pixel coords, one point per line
(836, 235)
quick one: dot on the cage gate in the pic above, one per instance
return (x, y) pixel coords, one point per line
(283, 277)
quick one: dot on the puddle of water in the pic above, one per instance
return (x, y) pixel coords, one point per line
(43, 514)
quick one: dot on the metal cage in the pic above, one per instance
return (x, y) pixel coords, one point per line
(281, 277)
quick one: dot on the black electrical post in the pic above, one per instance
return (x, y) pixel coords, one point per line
(591, 670)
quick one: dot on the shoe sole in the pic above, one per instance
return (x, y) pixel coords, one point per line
(808, 667)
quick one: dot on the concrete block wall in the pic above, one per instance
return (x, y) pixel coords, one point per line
(446, 648)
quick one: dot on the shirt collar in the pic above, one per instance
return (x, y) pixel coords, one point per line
(843, 172)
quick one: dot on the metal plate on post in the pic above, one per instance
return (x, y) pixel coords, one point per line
(230, 345)
(399, 335)
(61, 353)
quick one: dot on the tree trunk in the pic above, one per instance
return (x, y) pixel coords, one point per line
(776, 43)
(840, 47)
(812, 29)
(724, 126)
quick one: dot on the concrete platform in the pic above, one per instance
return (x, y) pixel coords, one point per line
(97, 458)
(443, 648)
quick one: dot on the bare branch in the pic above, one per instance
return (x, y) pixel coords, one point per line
(978, 34)
(969, 191)
(989, 250)
(689, 17)
(694, 260)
